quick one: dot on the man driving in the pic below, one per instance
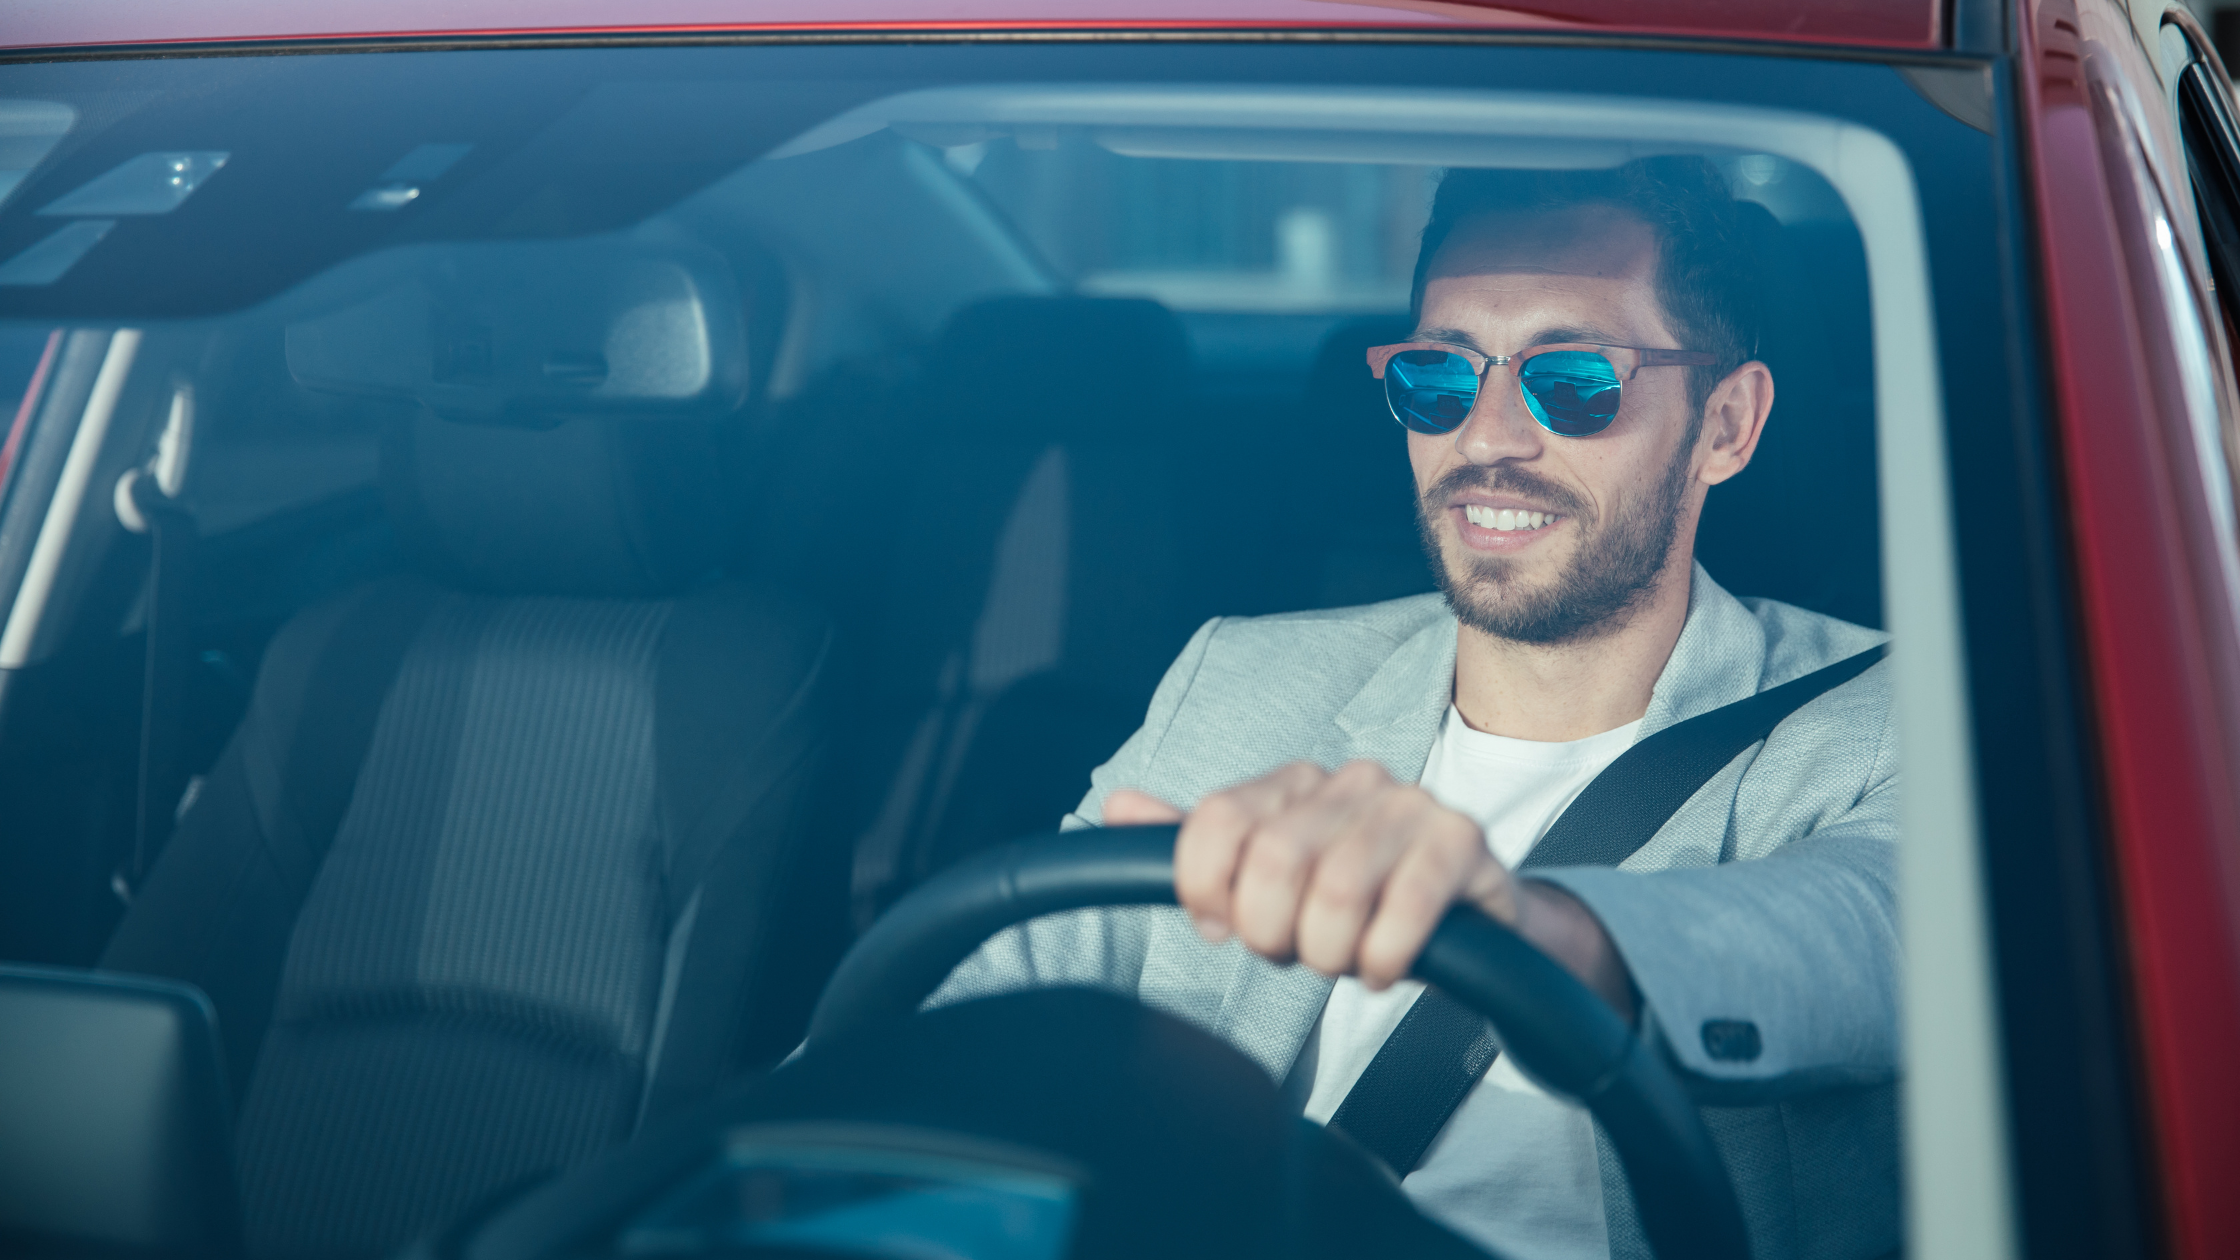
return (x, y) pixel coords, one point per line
(1580, 375)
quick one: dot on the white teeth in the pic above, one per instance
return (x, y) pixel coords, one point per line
(1507, 520)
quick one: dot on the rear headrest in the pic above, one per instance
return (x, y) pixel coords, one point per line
(594, 506)
(1340, 385)
(1357, 455)
(1057, 369)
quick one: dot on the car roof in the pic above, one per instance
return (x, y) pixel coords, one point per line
(1897, 24)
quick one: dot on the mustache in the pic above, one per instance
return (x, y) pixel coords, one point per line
(1504, 479)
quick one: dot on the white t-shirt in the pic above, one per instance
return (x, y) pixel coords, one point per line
(1514, 1169)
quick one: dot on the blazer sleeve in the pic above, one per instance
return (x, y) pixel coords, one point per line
(1770, 976)
(1102, 947)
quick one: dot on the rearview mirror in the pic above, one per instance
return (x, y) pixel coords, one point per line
(510, 332)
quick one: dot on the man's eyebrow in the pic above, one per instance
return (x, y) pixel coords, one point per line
(1573, 336)
(1545, 337)
(1449, 337)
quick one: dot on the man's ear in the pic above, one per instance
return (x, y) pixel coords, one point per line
(1733, 418)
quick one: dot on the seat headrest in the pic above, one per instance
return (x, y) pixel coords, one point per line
(594, 506)
(1339, 382)
(1352, 451)
(1054, 369)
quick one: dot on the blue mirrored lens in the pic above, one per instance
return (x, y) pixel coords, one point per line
(1571, 392)
(1430, 390)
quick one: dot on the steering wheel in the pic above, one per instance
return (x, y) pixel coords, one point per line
(1553, 1026)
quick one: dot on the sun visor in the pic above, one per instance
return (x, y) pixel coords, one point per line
(517, 333)
(1394, 126)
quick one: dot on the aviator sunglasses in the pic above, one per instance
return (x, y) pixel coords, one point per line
(1572, 390)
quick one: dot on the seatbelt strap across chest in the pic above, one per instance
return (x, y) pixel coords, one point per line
(1433, 1059)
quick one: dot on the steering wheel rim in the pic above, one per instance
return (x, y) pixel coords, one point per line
(1554, 1026)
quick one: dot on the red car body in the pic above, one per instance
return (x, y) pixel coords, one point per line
(1864, 23)
(2158, 636)
(2167, 714)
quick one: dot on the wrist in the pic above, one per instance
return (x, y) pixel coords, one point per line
(1561, 926)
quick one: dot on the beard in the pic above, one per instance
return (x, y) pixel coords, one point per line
(1615, 566)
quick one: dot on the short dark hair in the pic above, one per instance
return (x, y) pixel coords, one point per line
(1707, 262)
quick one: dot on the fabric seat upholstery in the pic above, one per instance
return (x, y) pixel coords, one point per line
(507, 852)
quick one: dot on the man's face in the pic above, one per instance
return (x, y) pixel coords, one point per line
(1611, 505)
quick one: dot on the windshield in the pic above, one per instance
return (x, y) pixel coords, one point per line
(632, 467)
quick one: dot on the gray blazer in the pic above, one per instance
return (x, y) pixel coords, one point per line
(1770, 897)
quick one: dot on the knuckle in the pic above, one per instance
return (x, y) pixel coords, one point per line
(1423, 896)
(1379, 959)
(1327, 938)
(1215, 804)
(1456, 835)
(1275, 853)
(1324, 958)
(1265, 936)
(1401, 805)
(1198, 881)
(1364, 773)
(1344, 879)
(1432, 878)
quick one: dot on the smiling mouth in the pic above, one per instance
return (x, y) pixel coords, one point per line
(1507, 520)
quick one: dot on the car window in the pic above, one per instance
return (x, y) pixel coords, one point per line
(2198, 327)
(2207, 129)
(1034, 403)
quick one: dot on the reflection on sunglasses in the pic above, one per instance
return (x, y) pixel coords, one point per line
(1574, 393)
(1570, 390)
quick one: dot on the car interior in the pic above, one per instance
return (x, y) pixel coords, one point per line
(588, 637)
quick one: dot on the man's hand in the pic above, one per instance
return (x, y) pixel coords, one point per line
(1349, 872)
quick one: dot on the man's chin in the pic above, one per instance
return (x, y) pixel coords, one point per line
(1551, 613)
(1514, 617)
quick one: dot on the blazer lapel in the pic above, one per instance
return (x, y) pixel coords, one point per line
(1719, 659)
(1269, 1010)
(1395, 716)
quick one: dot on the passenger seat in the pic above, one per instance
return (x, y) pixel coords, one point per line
(506, 854)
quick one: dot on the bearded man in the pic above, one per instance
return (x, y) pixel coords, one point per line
(1580, 376)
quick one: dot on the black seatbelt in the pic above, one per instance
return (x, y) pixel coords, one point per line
(1431, 1061)
(169, 618)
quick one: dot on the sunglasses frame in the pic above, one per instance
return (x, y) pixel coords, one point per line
(1623, 360)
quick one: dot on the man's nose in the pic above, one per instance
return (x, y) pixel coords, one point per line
(1499, 425)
